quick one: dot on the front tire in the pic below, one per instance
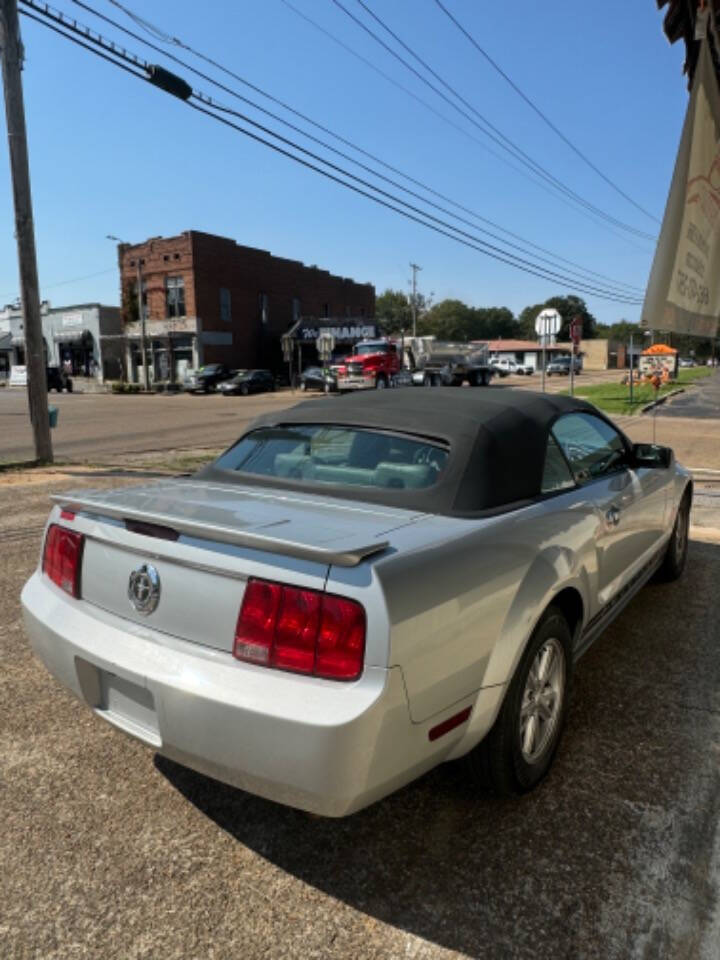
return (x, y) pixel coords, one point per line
(380, 383)
(675, 557)
(520, 748)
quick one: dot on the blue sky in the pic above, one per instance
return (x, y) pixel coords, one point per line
(110, 154)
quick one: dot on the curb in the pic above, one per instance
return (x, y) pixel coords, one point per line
(656, 403)
(705, 534)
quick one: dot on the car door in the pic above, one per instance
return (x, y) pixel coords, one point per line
(600, 460)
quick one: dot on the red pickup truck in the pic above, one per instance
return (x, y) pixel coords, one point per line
(372, 365)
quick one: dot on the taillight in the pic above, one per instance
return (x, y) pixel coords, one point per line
(306, 631)
(62, 558)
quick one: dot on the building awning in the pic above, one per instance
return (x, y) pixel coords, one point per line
(71, 336)
(18, 341)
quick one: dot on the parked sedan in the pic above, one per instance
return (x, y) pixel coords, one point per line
(248, 381)
(355, 592)
(206, 378)
(315, 378)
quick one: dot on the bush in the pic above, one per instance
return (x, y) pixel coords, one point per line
(119, 386)
(165, 386)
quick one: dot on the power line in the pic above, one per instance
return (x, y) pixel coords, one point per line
(583, 272)
(493, 132)
(417, 219)
(166, 37)
(208, 107)
(533, 106)
(384, 193)
(65, 283)
(523, 172)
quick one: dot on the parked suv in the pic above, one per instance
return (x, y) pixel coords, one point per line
(58, 380)
(561, 366)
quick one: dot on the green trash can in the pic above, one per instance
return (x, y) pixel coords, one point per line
(53, 411)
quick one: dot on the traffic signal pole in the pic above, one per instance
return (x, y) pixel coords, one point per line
(11, 51)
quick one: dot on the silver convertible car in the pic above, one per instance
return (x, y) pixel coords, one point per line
(360, 589)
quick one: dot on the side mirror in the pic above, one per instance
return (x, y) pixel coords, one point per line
(652, 455)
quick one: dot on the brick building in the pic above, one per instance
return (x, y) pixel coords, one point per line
(207, 299)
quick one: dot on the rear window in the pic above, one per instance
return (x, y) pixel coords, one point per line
(337, 456)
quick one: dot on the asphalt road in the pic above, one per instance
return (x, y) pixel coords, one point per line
(106, 851)
(93, 426)
(701, 403)
(96, 427)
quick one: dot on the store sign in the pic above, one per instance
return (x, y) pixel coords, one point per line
(72, 320)
(342, 333)
(18, 376)
(683, 292)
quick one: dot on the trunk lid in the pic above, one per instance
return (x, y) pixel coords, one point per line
(202, 540)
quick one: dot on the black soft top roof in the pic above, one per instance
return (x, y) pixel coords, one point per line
(497, 438)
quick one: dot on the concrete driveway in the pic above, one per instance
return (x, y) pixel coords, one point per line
(106, 852)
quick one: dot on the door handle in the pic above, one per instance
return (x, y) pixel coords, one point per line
(612, 516)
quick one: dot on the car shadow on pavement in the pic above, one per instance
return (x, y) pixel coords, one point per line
(596, 862)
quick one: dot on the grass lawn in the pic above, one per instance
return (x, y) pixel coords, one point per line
(615, 397)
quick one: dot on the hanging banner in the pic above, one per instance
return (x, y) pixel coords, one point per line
(683, 292)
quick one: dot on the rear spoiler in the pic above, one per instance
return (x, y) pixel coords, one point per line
(348, 554)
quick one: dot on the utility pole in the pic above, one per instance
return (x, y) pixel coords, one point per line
(415, 269)
(11, 51)
(141, 311)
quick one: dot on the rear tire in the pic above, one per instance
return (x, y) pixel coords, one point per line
(675, 557)
(519, 750)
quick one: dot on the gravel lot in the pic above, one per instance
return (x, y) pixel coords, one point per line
(106, 851)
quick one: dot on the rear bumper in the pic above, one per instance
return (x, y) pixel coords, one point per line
(327, 747)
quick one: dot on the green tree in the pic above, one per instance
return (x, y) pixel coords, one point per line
(493, 323)
(455, 320)
(620, 331)
(393, 311)
(448, 320)
(568, 307)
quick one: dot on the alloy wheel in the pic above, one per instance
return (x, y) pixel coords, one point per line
(542, 700)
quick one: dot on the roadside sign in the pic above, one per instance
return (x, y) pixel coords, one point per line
(548, 322)
(18, 376)
(325, 343)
